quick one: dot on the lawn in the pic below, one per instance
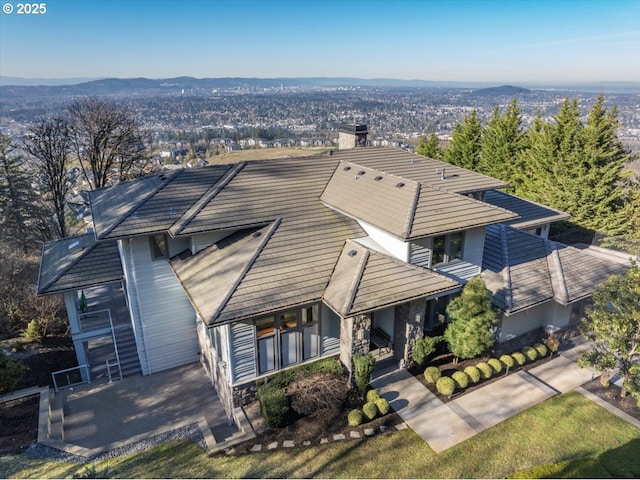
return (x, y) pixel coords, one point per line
(568, 434)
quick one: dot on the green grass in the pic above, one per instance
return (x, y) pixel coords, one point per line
(568, 435)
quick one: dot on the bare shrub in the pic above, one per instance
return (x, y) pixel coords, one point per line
(315, 392)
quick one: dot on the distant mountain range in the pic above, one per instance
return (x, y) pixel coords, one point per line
(17, 86)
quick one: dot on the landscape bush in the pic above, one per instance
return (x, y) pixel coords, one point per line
(383, 406)
(445, 386)
(432, 374)
(507, 360)
(531, 353)
(11, 372)
(461, 379)
(355, 417)
(274, 405)
(473, 373)
(362, 368)
(495, 364)
(485, 370)
(33, 331)
(541, 349)
(316, 391)
(423, 347)
(372, 395)
(370, 410)
(519, 358)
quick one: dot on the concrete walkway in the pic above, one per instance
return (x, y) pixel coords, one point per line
(443, 425)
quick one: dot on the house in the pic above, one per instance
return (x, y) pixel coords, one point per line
(259, 266)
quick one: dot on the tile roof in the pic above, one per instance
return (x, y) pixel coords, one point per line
(404, 208)
(366, 280)
(530, 214)
(523, 270)
(77, 262)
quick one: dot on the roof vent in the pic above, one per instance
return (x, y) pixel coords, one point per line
(378, 178)
(256, 234)
(361, 172)
(399, 185)
(352, 253)
(346, 169)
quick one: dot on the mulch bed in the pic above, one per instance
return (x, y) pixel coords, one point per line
(19, 420)
(611, 394)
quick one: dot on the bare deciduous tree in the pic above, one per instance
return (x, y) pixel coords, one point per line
(107, 140)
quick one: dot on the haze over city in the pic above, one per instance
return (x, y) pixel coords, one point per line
(481, 41)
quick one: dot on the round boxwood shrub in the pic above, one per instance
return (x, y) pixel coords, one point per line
(541, 349)
(474, 373)
(461, 379)
(355, 417)
(445, 386)
(383, 406)
(531, 353)
(485, 370)
(507, 360)
(519, 358)
(495, 364)
(372, 396)
(370, 410)
(432, 374)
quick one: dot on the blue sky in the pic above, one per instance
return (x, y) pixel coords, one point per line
(494, 41)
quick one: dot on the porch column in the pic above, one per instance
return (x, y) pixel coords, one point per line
(409, 324)
(354, 337)
(71, 302)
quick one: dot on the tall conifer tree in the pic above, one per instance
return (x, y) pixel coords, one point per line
(466, 143)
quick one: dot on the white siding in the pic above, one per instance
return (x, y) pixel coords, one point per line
(166, 317)
(383, 319)
(396, 247)
(203, 240)
(178, 245)
(473, 246)
(420, 252)
(243, 352)
(548, 313)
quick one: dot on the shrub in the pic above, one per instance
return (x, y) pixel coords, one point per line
(370, 410)
(485, 370)
(473, 373)
(495, 364)
(11, 372)
(362, 368)
(552, 343)
(422, 348)
(33, 331)
(507, 360)
(519, 358)
(461, 379)
(372, 395)
(541, 349)
(383, 406)
(530, 353)
(317, 391)
(355, 417)
(445, 386)
(432, 374)
(274, 405)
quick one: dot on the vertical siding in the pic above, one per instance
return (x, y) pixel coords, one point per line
(420, 252)
(330, 331)
(473, 246)
(178, 245)
(383, 319)
(167, 318)
(243, 355)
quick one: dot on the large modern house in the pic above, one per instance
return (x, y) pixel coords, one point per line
(258, 266)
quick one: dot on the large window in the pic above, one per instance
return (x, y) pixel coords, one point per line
(446, 248)
(159, 246)
(287, 338)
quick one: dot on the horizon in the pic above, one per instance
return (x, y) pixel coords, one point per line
(493, 42)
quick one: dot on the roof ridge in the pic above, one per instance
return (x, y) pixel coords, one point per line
(140, 202)
(413, 207)
(84, 253)
(506, 270)
(180, 224)
(357, 277)
(556, 272)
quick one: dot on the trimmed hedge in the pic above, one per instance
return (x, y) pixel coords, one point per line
(370, 410)
(461, 379)
(541, 349)
(372, 396)
(485, 370)
(495, 364)
(274, 405)
(473, 373)
(432, 374)
(355, 417)
(383, 406)
(507, 360)
(445, 386)
(531, 353)
(519, 358)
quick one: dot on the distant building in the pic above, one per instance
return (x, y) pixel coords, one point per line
(352, 136)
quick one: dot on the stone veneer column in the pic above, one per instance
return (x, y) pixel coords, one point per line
(354, 337)
(409, 323)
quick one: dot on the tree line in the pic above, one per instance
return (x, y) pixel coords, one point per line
(579, 167)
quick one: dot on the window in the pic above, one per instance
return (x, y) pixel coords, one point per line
(266, 334)
(446, 248)
(159, 246)
(311, 339)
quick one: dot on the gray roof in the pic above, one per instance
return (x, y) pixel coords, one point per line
(530, 214)
(421, 169)
(366, 280)
(523, 270)
(77, 262)
(402, 207)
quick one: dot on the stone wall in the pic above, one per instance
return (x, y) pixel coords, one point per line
(354, 337)
(244, 394)
(409, 324)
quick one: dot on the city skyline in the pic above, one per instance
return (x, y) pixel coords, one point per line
(484, 41)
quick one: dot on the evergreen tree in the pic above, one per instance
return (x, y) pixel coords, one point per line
(466, 143)
(503, 140)
(429, 147)
(472, 330)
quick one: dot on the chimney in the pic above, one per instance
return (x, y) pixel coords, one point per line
(352, 136)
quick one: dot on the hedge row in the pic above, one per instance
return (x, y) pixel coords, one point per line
(374, 406)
